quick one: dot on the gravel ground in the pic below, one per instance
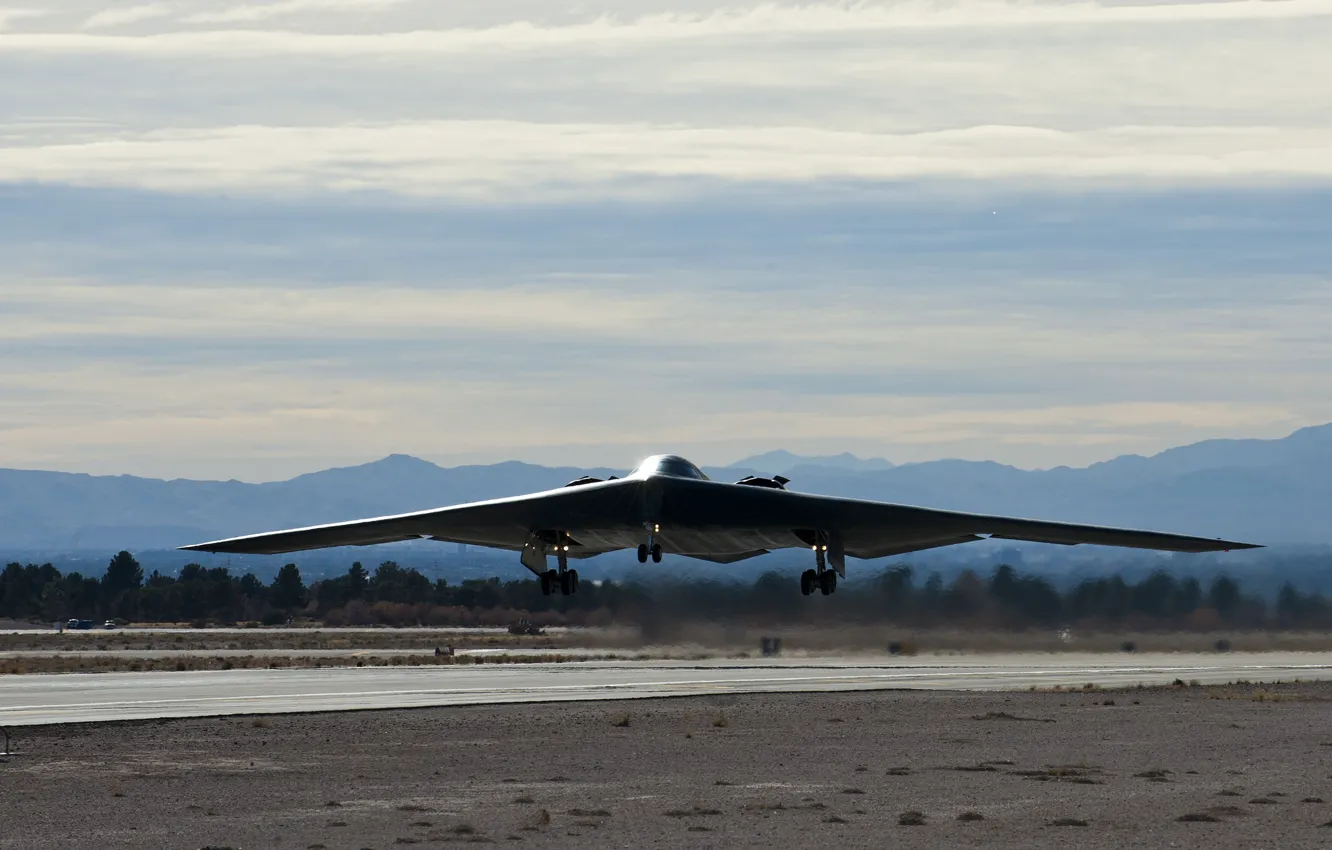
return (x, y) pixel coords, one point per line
(1249, 765)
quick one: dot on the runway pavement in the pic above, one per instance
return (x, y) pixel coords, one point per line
(84, 698)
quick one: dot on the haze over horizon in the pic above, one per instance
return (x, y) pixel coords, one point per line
(255, 239)
(846, 460)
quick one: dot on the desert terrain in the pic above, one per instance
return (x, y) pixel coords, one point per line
(1233, 766)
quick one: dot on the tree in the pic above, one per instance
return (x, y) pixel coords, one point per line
(1154, 596)
(1224, 596)
(392, 583)
(1290, 605)
(251, 586)
(1188, 597)
(123, 573)
(55, 603)
(1003, 584)
(357, 581)
(288, 588)
(895, 590)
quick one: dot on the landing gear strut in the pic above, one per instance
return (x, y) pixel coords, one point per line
(563, 579)
(822, 579)
(651, 548)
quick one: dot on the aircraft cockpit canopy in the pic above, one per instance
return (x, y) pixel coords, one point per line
(672, 465)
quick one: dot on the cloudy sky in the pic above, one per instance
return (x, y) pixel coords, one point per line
(252, 239)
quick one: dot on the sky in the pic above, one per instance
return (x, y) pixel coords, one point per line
(253, 239)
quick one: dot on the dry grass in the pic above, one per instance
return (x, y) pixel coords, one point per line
(911, 818)
(294, 640)
(683, 640)
(1068, 822)
(695, 812)
(881, 638)
(22, 665)
(1245, 691)
(1004, 715)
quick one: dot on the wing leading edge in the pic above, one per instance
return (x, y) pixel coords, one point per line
(932, 529)
(703, 519)
(499, 523)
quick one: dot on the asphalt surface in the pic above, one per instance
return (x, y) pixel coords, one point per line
(85, 698)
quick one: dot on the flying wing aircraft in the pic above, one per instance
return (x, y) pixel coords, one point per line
(667, 505)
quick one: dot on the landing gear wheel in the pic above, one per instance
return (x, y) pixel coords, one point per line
(642, 553)
(828, 583)
(566, 583)
(656, 553)
(547, 582)
(573, 580)
(807, 581)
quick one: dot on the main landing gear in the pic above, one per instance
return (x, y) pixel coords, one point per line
(822, 579)
(564, 579)
(651, 548)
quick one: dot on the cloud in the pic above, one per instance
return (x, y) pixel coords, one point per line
(300, 232)
(248, 13)
(652, 103)
(738, 24)
(119, 16)
(494, 159)
(276, 378)
(9, 15)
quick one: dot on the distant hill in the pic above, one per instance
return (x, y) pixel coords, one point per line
(781, 462)
(1266, 491)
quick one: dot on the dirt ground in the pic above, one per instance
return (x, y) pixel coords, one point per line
(302, 639)
(1239, 766)
(690, 640)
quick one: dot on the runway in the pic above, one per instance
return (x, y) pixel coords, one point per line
(86, 698)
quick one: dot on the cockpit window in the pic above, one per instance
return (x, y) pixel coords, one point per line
(671, 465)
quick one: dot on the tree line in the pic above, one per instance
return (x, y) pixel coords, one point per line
(394, 595)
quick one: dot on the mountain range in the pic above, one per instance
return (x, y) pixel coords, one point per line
(1276, 492)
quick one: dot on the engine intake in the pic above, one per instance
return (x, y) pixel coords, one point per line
(777, 482)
